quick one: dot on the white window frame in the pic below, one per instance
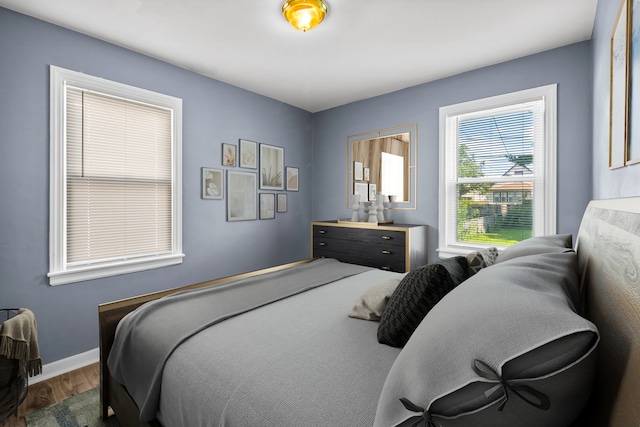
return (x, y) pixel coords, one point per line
(544, 194)
(60, 272)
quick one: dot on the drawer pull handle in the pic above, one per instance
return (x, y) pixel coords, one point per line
(323, 244)
(386, 237)
(322, 231)
(386, 252)
(385, 267)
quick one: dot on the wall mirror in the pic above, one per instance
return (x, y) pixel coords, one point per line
(383, 162)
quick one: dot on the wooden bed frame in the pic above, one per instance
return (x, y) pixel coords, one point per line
(608, 247)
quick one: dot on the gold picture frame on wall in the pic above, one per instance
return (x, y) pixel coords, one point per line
(619, 87)
(632, 154)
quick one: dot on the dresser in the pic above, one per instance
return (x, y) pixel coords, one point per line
(393, 247)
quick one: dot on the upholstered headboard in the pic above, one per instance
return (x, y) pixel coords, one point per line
(608, 247)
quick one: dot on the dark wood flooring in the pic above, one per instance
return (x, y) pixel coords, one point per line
(54, 390)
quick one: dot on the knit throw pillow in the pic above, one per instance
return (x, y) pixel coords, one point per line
(416, 295)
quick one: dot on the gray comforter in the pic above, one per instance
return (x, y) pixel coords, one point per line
(237, 367)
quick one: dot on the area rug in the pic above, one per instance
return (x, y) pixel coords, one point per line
(81, 410)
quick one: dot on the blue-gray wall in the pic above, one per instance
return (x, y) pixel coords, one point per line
(607, 183)
(569, 67)
(213, 113)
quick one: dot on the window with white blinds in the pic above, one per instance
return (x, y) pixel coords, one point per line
(497, 177)
(115, 205)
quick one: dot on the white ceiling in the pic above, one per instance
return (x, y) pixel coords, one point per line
(362, 49)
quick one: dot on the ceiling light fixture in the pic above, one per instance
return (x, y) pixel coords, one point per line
(304, 14)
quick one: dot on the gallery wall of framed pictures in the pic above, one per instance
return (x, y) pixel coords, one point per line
(624, 134)
(250, 169)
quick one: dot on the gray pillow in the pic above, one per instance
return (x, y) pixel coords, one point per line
(504, 348)
(417, 293)
(556, 243)
(481, 259)
(372, 302)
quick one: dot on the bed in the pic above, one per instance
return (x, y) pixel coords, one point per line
(277, 347)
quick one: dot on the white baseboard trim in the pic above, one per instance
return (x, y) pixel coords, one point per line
(69, 364)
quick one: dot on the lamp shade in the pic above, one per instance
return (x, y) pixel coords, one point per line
(304, 14)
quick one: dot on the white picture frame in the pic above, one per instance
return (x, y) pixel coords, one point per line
(292, 178)
(212, 184)
(373, 190)
(241, 196)
(229, 154)
(282, 202)
(267, 205)
(248, 154)
(358, 171)
(271, 167)
(361, 189)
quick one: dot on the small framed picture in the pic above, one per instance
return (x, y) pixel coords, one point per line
(241, 195)
(228, 155)
(271, 167)
(267, 205)
(248, 154)
(292, 178)
(282, 202)
(366, 174)
(362, 190)
(212, 184)
(357, 171)
(372, 192)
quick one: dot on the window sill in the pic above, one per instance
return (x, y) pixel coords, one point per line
(90, 272)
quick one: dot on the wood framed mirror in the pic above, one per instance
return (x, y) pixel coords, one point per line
(383, 161)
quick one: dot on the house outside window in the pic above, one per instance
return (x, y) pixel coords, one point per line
(115, 197)
(497, 171)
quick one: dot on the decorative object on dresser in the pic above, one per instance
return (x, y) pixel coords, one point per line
(397, 247)
(355, 207)
(372, 213)
(380, 202)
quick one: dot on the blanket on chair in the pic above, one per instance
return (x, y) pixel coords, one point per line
(19, 340)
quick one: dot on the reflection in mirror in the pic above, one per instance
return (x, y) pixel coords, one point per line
(387, 158)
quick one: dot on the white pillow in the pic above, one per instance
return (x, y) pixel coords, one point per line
(372, 302)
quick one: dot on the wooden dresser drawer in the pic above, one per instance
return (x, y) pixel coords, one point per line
(390, 257)
(394, 248)
(364, 235)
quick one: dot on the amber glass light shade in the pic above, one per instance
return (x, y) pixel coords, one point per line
(304, 14)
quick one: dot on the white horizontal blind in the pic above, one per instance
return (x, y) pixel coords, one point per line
(118, 178)
(497, 168)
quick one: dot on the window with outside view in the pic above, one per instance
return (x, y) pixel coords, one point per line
(497, 170)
